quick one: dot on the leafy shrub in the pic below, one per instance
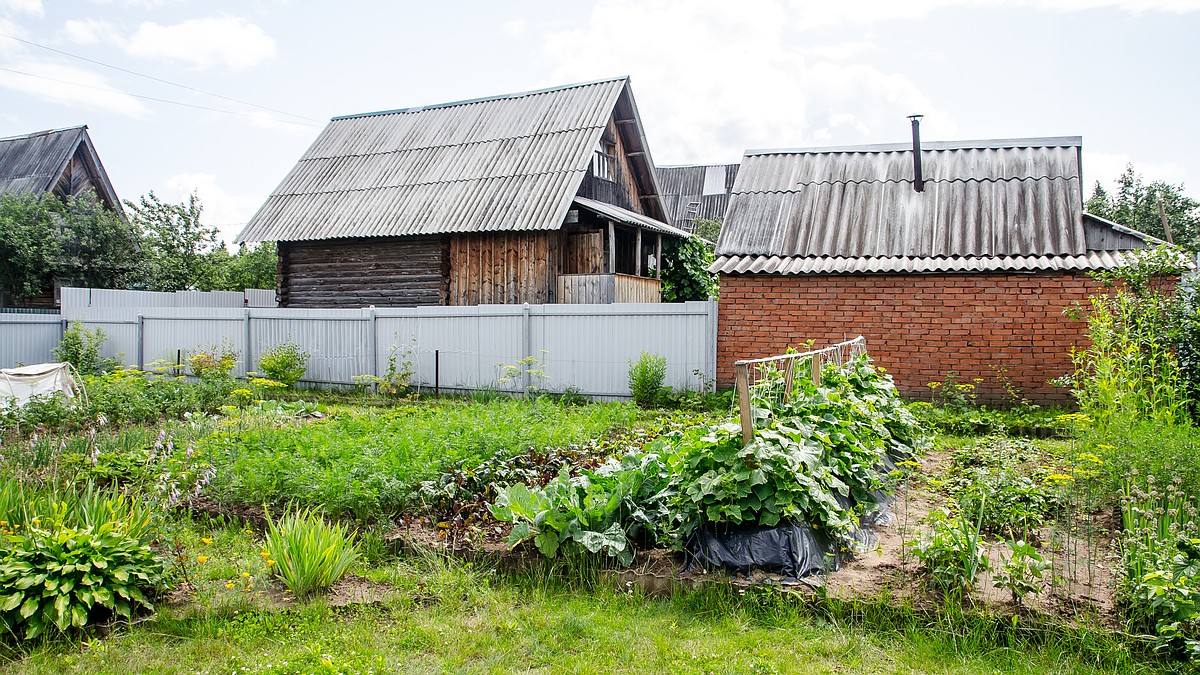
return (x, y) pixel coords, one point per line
(285, 362)
(646, 379)
(598, 511)
(685, 274)
(215, 362)
(87, 563)
(307, 553)
(1023, 572)
(951, 552)
(80, 347)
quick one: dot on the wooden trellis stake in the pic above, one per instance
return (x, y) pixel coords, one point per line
(743, 388)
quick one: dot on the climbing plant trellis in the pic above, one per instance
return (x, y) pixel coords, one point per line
(751, 372)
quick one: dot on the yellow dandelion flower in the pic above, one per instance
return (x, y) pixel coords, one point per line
(270, 562)
(206, 540)
(245, 575)
(230, 585)
(201, 558)
(264, 554)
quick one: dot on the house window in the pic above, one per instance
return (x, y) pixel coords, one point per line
(604, 160)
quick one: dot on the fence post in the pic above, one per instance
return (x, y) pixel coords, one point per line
(526, 346)
(142, 341)
(789, 374)
(743, 390)
(816, 368)
(247, 357)
(374, 344)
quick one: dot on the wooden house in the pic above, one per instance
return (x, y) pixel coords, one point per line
(953, 259)
(62, 162)
(696, 192)
(541, 197)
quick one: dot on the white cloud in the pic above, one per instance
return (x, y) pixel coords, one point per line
(1106, 167)
(33, 7)
(814, 14)
(515, 28)
(10, 47)
(70, 86)
(227, 212)
(714, 78)
(90, 32)
(231, 42)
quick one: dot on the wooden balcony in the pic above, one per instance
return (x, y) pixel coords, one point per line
(605, 289)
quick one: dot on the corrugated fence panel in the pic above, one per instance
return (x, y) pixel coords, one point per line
(588, 347)
(26, 339)
(258, 297)
(338, 341)
(591, 346)
(170, 334)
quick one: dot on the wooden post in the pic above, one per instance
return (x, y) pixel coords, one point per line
(789, 373)
(743, 390)
(612, 248)
(637, 259)
(1162, 214)
(816, 368)
(658, 263)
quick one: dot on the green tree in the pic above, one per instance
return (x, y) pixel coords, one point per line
(706, 228)
(1134, 203)
(253, 266)
(685, 274)
(28, 245)
(77, 242)
(178, 247)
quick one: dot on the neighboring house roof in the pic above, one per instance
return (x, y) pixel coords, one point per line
(1010, 204)
(504, 163)
(37, 162)
(696, 191)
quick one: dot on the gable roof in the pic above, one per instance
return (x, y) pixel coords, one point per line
(696, 191)
(34, 163)
(1009, 204)
(504, 163)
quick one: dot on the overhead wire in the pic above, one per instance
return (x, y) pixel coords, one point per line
(110, 90)
(155, 79)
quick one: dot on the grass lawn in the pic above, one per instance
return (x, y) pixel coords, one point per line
(447, 616)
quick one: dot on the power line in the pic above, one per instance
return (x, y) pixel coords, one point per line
(158, 79)
(149, 98)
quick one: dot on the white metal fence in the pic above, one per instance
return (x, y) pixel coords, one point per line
(587, 347)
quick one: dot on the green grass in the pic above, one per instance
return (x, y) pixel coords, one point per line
(484, 623)
(1166, 451)
(367, 462)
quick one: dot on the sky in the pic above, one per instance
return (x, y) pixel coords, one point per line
(221, 98)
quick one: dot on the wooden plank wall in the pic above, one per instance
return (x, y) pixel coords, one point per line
(584, 253)
(586, 289)
(622, 190)
(505, 267)
(636, 289)
(75, 178)
(385, 272)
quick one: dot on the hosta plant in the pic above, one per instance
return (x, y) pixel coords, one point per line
(307, 553)
(60, 578)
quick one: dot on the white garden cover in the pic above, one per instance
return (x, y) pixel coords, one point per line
(18, 385)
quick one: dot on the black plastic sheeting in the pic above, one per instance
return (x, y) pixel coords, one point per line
(792, 550)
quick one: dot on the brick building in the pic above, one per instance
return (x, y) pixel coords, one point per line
(958, 257)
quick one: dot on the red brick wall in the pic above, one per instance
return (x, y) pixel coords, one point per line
(919, 327)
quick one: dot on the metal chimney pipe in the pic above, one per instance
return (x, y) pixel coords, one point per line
(918, 181)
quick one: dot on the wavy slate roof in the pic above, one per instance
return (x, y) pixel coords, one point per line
(34, 163)
(512, 162)
(696, 191)
(1013, 204)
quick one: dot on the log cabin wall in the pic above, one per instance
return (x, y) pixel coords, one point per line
(622, 189)
(505, 267)
(385, 272)
(584, 252)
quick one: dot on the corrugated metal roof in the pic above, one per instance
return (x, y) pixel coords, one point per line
(1091, 260)
(509, 162)
(980, 199)
(629, 217)
(696, 191)
(34, 162)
